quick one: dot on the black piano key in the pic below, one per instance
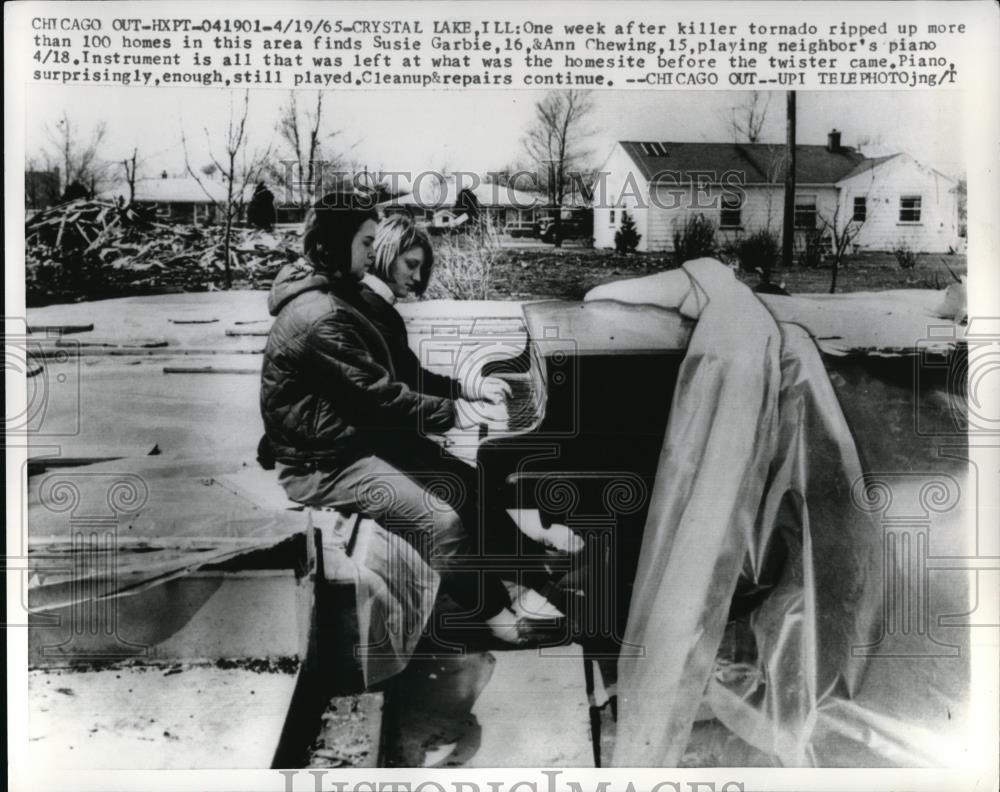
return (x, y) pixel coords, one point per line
(522, 408)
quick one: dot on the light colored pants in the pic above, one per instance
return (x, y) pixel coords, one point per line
(433, 504)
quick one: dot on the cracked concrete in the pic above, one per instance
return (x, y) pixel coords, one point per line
(154, 717)
(524, 708)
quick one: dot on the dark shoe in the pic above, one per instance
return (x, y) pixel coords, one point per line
(544, 632)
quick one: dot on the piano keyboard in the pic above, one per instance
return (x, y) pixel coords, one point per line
(523, 406)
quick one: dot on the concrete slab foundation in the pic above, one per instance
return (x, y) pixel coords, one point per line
(156, 717)
(523, 708)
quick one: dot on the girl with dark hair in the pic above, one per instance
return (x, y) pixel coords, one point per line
(343, 426)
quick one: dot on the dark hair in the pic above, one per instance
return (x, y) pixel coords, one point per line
(329, 229)
(394, 237)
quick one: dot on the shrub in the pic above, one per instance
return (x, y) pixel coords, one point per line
(696, 238)
(74, 192)
(815, 250)
(760, 250)
(729, 254)
(626, 237)
(905, 257)
(464, 263)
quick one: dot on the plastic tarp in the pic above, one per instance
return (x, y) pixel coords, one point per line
(394, 588)
(118, 528)
(758, 462)
(100, 535)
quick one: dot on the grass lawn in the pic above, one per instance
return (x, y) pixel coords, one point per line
(569, 272)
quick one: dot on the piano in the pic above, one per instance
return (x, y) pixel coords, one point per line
(592, 390)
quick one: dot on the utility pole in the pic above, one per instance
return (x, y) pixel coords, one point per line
(788, 229)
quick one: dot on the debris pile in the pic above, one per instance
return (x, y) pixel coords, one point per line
(91, 249)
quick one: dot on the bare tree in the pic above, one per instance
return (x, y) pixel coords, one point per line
(509, 173)
(306, 164)
(238, 166)
(41, 183)
(962, 191)
(366, 178)
(584, 183)
(777, 163)
(130, 169)
(871, 145)
(77, 156)
(842, 228)
(748, 118)
(553, 143)
(516, 174)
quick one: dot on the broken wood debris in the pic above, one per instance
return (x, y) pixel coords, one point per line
(153, 343)
(208, 370)
(350, 735)
(64, 329)
(247, 332)
(137, 351)
(92, 249)
(41, 463)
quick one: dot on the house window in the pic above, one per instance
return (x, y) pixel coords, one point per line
(909, 209)
(731, 213)
(805, 211)
(860, 209)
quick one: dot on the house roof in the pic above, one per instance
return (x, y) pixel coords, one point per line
(185, 189)
(875, 162)
(760, 163)
(441, 194)
(867, 165)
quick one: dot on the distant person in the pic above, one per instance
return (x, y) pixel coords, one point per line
(343, 426)
(260, 211)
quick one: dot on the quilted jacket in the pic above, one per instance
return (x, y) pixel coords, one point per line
(329, 392)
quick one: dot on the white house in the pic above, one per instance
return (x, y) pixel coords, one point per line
(441, 203)
(901, 201)
(181, 198)
(891, 200)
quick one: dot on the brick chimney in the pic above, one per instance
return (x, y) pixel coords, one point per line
(833, 141)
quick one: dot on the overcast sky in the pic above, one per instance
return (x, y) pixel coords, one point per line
(481, 130)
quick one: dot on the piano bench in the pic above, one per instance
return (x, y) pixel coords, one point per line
(334, 532)
(333, 536)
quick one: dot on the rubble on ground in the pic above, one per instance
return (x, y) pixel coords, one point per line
(87, 249)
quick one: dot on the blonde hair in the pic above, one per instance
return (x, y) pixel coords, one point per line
(396, 235)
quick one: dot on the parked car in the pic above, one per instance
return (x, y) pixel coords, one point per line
(578, 224)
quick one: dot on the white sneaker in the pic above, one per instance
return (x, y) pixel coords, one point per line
(560, 538)
(533, 605)
(504, 626)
